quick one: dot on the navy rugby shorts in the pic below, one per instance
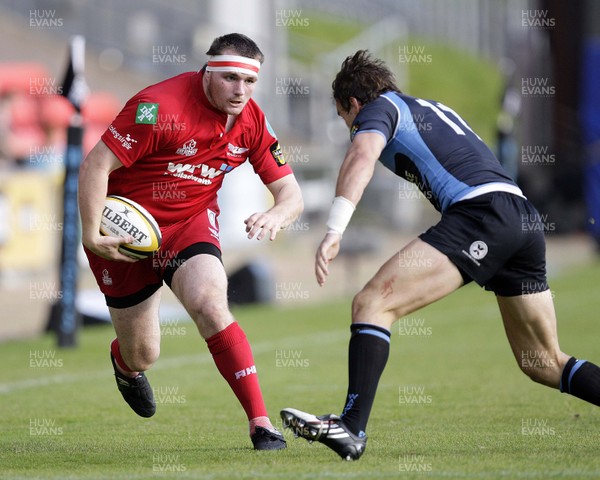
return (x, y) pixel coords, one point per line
(497, 240)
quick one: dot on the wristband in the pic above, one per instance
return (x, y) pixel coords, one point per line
(340, 214)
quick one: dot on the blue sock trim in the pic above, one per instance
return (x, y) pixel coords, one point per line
(375, 333)
(369, 326)
(576, 367)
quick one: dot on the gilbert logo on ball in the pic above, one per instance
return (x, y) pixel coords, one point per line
(122, 217)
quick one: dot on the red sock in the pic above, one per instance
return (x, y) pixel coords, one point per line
(116, 353)
(232, 355)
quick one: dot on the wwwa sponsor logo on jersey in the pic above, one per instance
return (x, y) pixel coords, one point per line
(200, 173)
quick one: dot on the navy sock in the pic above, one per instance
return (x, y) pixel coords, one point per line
(367, 355)
(581, 379)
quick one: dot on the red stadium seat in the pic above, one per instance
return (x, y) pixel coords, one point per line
(16, 77)
(24, 110)
(101, 108)
(55, 111)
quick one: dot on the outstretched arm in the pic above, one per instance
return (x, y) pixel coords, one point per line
(287, 208)
(355, 174)
(358, 166)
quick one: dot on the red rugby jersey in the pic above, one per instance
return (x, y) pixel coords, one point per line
(175, 151)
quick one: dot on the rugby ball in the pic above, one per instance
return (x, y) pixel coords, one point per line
(122, 217)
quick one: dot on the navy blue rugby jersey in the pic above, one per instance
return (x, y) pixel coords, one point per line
(430, 145)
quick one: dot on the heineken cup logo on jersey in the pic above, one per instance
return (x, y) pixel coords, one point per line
(147, 113)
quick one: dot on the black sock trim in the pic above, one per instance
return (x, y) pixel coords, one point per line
(187, 253)
(354, 327)
(584, 382)
(564, 379)
(133, 299)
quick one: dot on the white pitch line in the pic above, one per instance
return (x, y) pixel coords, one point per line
(172, 362)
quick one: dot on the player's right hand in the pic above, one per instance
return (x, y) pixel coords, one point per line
(108, 247)
(327, 251)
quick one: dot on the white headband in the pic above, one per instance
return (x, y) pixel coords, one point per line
(233, 63)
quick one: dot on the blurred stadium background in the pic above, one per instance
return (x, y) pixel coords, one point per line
(523, 73)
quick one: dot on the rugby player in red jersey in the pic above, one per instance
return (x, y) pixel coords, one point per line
(185, 134)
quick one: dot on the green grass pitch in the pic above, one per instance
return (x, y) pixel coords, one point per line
(451, 404)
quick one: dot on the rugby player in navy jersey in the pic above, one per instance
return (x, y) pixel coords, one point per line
(488, 233)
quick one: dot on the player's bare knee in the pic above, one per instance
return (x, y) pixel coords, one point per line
(364, 306)
(211, 316)
(214, 312)
(367, 305)
(142, 358)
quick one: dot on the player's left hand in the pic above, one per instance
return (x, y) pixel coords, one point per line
(327, 251)
(263, 224)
